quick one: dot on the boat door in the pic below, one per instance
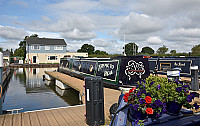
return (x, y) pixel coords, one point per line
(34, 59)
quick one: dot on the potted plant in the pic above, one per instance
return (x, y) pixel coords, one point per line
(155, 96)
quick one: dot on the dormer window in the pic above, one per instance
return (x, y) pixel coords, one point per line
(35, 47)
(58, 47)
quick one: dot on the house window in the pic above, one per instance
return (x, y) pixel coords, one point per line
(35, 47)
(58, 47)
(47, 47)
(52, 57)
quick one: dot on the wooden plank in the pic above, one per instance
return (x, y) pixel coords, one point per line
(61, 121)
(75, 116)
(17, 119)
(51, 119)
(78, 111)
(2, 118)
(34, 119)
(8, 120)
(71, 121)
(42, 118)
(26, 119)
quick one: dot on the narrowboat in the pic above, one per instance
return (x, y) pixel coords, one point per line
(118, 71)
(167, 63)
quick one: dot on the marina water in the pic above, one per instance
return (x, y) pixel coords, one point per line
(27, 90)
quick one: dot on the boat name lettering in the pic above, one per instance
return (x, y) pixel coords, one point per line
(179, 64)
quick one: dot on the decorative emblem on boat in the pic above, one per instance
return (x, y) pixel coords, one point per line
(79, 67)
(134, 68)
(66, 64)
(91, 68)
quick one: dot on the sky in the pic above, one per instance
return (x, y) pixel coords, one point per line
(103, 23)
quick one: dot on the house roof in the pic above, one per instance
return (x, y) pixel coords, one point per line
(6, 53)
(45, 41)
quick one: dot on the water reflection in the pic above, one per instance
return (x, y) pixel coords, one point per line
(28, 90)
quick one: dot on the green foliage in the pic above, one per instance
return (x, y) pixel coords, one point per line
(98, 52)
(173, 52)
(1, 49)
(196, 50)
(147, 50)
(11, 52)
(131, 49)
(87, 48)
(162, 50)
(21, 51)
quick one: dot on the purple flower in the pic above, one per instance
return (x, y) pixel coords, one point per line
(158, 87)
(196, 106)
(179, 89)
(140, 81)
(135, 107)
(142, 101)
(143, 86)
(194, 94)
(143, 91)
(136, 121)
(177, 81)
(144, 81)
(189, 98)
(185, 86)
(152, 83)
(164, 110)
(158, 103)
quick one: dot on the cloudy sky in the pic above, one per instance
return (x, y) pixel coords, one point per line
(103, 23)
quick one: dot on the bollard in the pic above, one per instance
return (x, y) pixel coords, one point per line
(1, 75)
(94, 99)
(194, 78)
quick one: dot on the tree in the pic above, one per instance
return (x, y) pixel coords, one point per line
(162, 50)
(87, 48)
(196, 50)
(11, 52)
(131, 49)
(98, 52)
(173, 52)
(1, 49)
(21, 51)
(148, 50)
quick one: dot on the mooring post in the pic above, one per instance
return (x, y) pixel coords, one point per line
(1, 76)
(194, 78)
(94, 99)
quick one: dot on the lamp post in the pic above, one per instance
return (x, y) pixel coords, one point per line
(1, 75)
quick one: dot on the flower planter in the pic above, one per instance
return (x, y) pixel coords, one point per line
(173, 108)
(155, 115)
(137, 114)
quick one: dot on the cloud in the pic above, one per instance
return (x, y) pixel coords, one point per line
(181, 32)
(154, 40)
(20, 3)
(76, 6)
(12, 33)
(76, 34)
(135, 24)
(77, 27)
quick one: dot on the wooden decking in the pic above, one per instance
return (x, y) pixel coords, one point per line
(70, 116)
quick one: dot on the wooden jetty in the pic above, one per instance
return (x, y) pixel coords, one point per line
(33, 65)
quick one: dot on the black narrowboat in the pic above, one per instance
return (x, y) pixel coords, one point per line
(118, 71)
